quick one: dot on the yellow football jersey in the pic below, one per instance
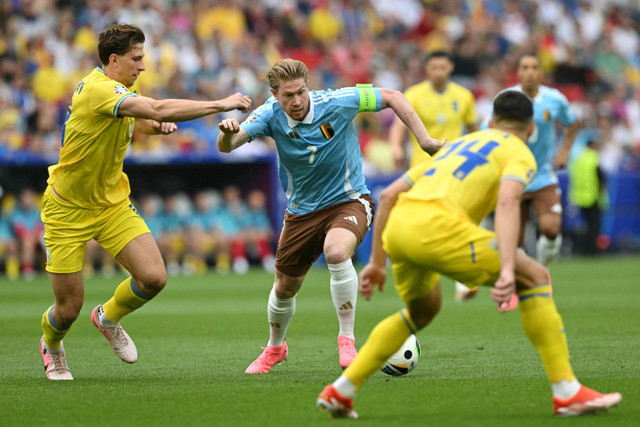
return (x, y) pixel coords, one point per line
(444, 114)
(465, 174)
(94, 143)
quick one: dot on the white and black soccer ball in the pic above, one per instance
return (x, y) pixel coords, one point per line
(405, 359)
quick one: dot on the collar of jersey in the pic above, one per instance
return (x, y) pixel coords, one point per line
(538, 95)
(307, 119)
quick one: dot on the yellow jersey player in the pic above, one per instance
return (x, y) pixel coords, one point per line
(433, 230)
(87, 196)
(446, 109)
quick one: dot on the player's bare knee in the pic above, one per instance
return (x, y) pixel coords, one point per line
(423, 317)
(422, 312)
(541, 274)
(68, 312)
(550, 232)
(285, 289)
(535, 275)
(550, 226)
(152, 282)
(285, 293)
(335, 255)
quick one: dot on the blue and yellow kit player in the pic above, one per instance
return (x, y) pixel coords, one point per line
(87, 196)
(428, 225)
(445, 108)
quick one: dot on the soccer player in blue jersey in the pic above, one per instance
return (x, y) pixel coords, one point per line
(329, 207)
(543, 194)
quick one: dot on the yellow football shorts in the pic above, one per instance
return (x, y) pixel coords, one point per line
(67, 229)
(425, 240)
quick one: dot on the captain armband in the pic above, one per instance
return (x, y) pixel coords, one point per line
(367, 97)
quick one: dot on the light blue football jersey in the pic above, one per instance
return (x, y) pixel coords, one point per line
(320, 162)
(549, 105)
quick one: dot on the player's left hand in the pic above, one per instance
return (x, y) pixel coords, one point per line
(370, 276)
(166, 128)
(560, 161)
(504, 289)
(229, 126)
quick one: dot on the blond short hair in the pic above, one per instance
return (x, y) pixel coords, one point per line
(287, 69)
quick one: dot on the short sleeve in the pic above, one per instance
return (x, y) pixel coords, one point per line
(106, 97)
(416, 172)
(520, 166)
(257, 124)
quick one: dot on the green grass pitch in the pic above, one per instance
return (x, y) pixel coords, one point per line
(197, 337)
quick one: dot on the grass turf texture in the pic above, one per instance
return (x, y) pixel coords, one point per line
(198, 336)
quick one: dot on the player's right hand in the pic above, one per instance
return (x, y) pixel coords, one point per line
(504, 289)
(237, 101)
(229, 126)
(370, 276)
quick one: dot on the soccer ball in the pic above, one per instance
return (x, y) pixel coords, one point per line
(405, 359)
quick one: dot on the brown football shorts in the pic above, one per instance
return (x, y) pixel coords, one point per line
(302, 238)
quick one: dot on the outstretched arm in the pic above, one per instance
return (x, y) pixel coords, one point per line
(507, 225)
(403, 109)
(179, 110)
(231, 135)
(151, 127)
(375, 272)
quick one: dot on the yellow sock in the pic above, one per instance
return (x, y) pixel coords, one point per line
(127, 298)
(384, 340)
(543, 325)
(53, 332)
(13, 268)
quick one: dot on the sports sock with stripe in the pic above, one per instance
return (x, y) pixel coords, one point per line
(384, 340)
(279, 312)
(53, 332)
(126, 299)
(344, 293)
(544, 328)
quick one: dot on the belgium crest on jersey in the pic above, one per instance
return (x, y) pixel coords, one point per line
(327, 130)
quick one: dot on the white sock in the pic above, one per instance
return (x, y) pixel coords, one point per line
(280, 312)
(565, 389)
(56, 351)
(461, 288)
(344, 292)
(345, 387)
(104, 320)
(547, 250)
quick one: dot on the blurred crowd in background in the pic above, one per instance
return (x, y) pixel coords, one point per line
(221, 230)
(209, 49)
